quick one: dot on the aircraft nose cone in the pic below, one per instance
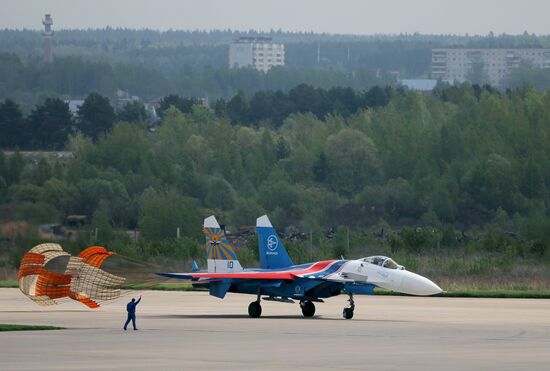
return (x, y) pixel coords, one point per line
(415, 284)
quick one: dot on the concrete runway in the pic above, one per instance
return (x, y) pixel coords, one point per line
(184, 330)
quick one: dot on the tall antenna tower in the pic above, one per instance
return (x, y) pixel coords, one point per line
(47, 36)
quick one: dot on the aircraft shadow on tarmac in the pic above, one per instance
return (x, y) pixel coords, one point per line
(245, 316)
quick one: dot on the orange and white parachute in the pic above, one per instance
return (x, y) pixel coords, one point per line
(83, 279)
(38, 283)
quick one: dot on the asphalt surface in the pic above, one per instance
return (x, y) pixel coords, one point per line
(191, 330)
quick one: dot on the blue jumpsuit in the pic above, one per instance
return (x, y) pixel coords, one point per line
(131, 309)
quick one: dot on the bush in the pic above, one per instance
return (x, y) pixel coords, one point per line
(415, 240)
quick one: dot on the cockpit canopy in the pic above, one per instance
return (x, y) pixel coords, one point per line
(383, 261)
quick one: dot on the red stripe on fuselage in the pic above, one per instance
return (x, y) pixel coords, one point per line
(274, 275)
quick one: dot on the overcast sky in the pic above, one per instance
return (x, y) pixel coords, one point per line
(332, 16)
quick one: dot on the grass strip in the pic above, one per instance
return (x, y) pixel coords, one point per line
(9, 284)
(507, 294)
(512, 294)
(17, 327)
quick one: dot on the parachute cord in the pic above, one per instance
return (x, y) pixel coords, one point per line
(138, 261)
(127, 290)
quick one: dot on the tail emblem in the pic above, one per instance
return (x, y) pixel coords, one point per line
(219, 248)
(272, 243)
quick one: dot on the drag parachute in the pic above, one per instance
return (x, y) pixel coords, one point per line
(38, 283)
(83, 279)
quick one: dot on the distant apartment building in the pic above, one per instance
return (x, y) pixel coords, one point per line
(495, 64)
(260, 53)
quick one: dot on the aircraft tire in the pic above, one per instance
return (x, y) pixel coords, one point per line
(347, 313)
(308, 309)
(255, 309)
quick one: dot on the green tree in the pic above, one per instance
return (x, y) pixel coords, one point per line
(64, 196)
(162, 212)
(532, 181)
(15, 166)
(306, 98)
(245, 211)
(268, 148)
(12, 128)
(123, 149)
(237, 108)
(3, 189)
(40, 174)
(492, 183)
(101, 221)
(320, 168)
(93, 191)
(299, 166)
(4, 170)
(95, 115)
(282, 148)
(220, 195)
(50, 124)
(183, 104)
(352, 160)
(132, 112)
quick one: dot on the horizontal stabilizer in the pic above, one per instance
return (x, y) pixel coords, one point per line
(219, 289)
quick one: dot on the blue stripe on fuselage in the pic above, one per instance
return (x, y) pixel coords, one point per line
(334, 267)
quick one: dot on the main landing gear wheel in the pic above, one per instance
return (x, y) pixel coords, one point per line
(348, 312)
(308, 308)
(255, 309)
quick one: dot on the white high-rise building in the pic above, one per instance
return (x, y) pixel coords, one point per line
(258, 52)
(456, 64)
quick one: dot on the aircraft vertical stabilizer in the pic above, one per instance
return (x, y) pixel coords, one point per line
(221, 256)
(273, 254)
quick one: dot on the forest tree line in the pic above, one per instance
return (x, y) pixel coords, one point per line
(74, 77)
(152, 64)
(166, 50)
(463, 159)
(48, 125)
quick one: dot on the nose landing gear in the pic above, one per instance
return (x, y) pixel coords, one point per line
(348, 312)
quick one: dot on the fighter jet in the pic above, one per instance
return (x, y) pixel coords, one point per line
(278, 279)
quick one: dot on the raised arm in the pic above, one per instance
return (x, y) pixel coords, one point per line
(137, 302)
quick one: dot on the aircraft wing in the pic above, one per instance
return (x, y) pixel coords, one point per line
(316, 270)
(231, 275)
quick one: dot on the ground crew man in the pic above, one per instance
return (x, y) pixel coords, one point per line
(131, 309)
